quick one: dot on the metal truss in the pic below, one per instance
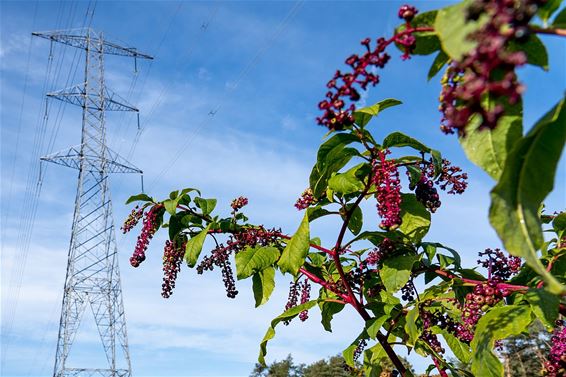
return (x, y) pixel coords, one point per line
(93, 276)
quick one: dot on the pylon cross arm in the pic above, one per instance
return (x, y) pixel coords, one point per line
(76, 95)
(84, 38)
(74, 156)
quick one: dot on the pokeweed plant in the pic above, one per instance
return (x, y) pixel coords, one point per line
(481, 43)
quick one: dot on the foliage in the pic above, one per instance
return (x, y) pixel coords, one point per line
(334, 366)
(375, 269)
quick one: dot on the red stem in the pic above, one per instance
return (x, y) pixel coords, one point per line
(352, 298)
(509, 287)
(559, 32)
(437, 365)
(325, 284)
(548, 268)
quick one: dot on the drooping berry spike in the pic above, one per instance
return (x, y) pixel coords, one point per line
(149, 228)
(388, 190)
(172, 258)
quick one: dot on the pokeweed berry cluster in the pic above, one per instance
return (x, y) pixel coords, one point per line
(132, 220)
(172, 258)
(498, 264)
(427, 194)
(306, 200)
(360, 349)
(484, 296)
(239, 203)
(555, 365)
(292, 298)
(149, 227)
(220, 257)
(305, 296)
(295, 288)
(238, 241)
(379, 253)
(451, 178)
(488, 71)
(346, 86)
(387, 183)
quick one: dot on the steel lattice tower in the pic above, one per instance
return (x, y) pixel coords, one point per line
(93, 277)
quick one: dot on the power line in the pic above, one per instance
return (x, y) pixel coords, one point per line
(165, 89)
(241, 76)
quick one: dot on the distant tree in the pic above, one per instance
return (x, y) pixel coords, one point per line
(524, 355)
(331, 367)
(283, 368)
(334, 366)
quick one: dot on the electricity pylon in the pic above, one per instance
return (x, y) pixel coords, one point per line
(93, 276)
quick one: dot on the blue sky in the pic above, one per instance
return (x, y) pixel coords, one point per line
(262, 66)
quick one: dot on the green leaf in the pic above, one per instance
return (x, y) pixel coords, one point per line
(170, 206)
(347, 182)
(534, 50)
(374, 325)
(426, 41)
(437, 162)
(498, 323)
(396, 271)
(356, 221)
(341, 139)
(559, 223)
(488, 149)
(439, 61)
(139, 198)
(544, 305)
(316, 212)
(206, 205)
(263, 283)
(335, 160)
(560, 20)
(328, 309)
(194, 247)
(252, 260)
(415, 218)
(453, 29)
(546, 11)
(399, 139)
(415, 174)
(287, 315)
(175, 226)
(461, 350)
(363, 116)
(295, 252)
(411, 326)
(527, 178)
(374, 237)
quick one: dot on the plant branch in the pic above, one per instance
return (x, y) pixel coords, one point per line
(324, 283)
(440, 369)
(510, 287)
(352, 298)
(550, 31)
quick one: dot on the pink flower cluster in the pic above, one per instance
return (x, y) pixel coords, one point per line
(238, 203)
(149, 228)
(132, 219)
(306, 200)
(388, 190)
